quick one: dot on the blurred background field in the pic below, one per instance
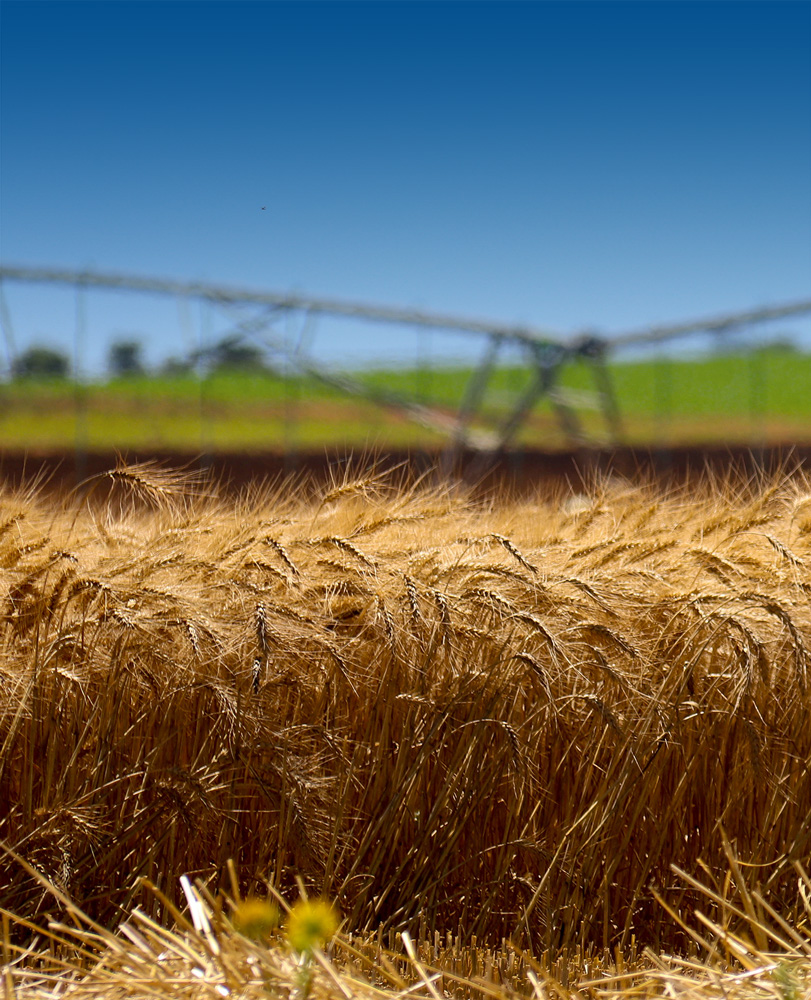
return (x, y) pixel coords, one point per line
(758, 398)
(259, 371)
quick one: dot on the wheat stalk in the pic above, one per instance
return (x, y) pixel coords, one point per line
(416, 722)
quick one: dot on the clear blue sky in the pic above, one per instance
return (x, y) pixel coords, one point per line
(566, 165)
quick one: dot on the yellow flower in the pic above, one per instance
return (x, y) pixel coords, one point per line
(256, 918)
(311, 923)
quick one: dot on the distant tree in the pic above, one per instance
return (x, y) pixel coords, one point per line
(174, 366)
(232, 352)
(784, 344)
(125, 358)
(41, 362)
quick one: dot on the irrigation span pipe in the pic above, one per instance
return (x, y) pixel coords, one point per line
(528, 336)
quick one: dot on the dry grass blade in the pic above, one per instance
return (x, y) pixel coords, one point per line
(203, 956)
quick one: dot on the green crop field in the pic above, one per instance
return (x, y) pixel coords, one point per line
(754, 398)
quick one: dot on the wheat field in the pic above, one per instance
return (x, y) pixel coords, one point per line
(552, 727)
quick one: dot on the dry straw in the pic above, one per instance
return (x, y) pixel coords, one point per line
(507, 719)
(232, 946)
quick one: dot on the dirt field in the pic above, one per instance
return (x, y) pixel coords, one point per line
(523, 471)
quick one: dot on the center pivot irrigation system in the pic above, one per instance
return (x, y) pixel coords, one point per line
(544, 353)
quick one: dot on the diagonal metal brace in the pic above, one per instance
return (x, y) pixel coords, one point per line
(475, 390)
(548, 360)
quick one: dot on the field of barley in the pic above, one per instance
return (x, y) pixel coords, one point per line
(552, 747)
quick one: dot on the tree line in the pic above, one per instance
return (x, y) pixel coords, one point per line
(125, 359)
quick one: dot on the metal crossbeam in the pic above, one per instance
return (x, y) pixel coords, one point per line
(282, 300)
(712, 324)
(393, 314)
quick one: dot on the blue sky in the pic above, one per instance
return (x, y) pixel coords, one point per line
(566, 165)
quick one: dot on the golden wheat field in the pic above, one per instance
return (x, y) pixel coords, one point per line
(549, 747)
